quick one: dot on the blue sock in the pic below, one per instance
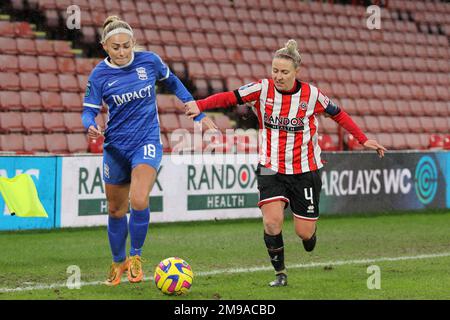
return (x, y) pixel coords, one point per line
(117, 235)
(139, 220)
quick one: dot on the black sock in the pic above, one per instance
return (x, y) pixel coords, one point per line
(275, 248)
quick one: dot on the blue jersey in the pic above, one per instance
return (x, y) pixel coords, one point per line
(129, 93)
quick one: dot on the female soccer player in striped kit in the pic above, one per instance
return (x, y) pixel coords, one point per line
(125, 82)
(289, 153)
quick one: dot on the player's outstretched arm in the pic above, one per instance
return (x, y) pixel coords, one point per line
(344, 120)
(373, 144)
(191, 109)
(193, 112)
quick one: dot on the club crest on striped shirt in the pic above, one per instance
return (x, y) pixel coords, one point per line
(142, 74)
(88, 90)
(269, 101)
(303, 105)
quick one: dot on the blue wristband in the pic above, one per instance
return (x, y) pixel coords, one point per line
(199, 117)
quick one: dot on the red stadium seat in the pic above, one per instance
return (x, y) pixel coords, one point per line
(177, 23)
(96, 145)
(436, 142)
(10, 101)
(11, 143)
(66, 65)
(28, 64)
(216, 85)
(199, 39)
(26, 46)
(174, 53)
(413, 141)
(353, 144)
(83, 65)
(7, 29)
(166, 103)
(204, 54)
(33, 122)
(447, 142)
(51, 101)
(71, 101)
(48, 82)
(326, 143)
(387, 124)
(220, 55)
(29, 81)
(228, 40)
(56, 143)
(223, 122)
(82, 82)
(44, 47)
(31, 101)
(329, 126)
(184, 38)
(34, 143)
(259, 71)
(417, 109)
(227, 70)
(152, 36)
(72, 122)
(68, 83)
(54, 122)
(8, 46)
(201, 88)
(169, 122)
(11, 122)
(63, 48)
(195, 70)
(47, 64)
(233, 83)
(372, 124)
(9, 81)
(213, 70)
(399, 141)
(186, 123)
(441, 108)
(441, 124)
(214, 40)
(414, 124)
(385, 139)
(168, 37)
(9, 63)
(400, 124)
(77, 143)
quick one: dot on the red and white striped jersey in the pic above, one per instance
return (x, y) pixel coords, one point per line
(288, 138)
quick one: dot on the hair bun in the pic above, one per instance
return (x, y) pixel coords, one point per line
(109, 20)
(291, 45)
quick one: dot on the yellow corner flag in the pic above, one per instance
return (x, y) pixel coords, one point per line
(21, 196)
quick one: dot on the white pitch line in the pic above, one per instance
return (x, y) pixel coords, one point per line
(244, 270)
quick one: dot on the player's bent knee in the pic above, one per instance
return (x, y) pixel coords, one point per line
(305, 234)
(140, 203)
(117, 212)
(272, 228)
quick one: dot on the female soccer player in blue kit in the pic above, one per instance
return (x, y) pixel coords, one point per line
(125, 82)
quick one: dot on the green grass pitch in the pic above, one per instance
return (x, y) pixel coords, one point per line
(229, 260)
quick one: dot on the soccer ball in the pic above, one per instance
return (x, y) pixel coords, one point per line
(173, 276)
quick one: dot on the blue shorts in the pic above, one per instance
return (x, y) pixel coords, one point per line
(117, 164)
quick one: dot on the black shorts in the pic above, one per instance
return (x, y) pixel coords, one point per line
(301, 191)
